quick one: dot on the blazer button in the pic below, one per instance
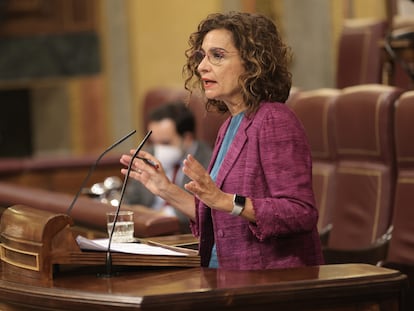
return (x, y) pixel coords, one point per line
(220, 233)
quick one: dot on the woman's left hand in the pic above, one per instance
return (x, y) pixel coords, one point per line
(203, 186)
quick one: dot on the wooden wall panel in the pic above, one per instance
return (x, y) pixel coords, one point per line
(36, 17)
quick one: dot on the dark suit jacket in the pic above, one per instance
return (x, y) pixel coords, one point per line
(269, 161)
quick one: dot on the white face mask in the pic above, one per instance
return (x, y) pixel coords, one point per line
(169, 156)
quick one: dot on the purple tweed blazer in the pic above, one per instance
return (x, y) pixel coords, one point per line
(269, 161)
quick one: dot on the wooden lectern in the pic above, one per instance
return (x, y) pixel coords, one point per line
(31, 239)
(34, 241)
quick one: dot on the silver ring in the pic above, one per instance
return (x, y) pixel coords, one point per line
(139, 172)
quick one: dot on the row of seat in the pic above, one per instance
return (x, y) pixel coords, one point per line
(363, 170)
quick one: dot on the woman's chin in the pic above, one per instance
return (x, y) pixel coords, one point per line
(210, 95)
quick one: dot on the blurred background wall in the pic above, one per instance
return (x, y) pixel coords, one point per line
(73, 73)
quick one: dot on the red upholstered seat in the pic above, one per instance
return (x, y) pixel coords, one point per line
(401, 248)
(315, 110)
(366, 173)
(359, 52)
(294, 92)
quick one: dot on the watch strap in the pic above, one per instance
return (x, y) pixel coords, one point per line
(239, 202)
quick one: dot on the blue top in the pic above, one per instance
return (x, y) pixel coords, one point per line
(228, 138)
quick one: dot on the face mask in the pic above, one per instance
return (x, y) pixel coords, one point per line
(169, 156)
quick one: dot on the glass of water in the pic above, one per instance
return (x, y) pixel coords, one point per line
(124, 226)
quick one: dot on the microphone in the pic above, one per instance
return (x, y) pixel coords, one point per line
(92, 168)
(108, 260)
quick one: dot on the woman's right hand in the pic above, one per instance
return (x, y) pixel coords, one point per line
(153, 178)
(156, 181)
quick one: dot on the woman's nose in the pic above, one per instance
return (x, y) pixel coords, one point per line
(203, 66)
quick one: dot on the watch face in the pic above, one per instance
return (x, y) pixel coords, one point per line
(239, 200)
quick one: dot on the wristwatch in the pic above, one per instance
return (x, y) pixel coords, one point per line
(239, 203)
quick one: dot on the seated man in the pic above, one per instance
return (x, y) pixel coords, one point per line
(173, 137)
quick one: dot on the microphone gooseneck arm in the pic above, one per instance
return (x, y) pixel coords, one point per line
(108, 259)
(92, 168)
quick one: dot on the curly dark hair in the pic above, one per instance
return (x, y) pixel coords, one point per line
(265, 57)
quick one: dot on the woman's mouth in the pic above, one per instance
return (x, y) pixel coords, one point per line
(208, 83)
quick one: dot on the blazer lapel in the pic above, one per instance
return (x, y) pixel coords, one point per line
(233, 153)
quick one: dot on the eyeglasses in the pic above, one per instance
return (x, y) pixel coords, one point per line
(215, 56)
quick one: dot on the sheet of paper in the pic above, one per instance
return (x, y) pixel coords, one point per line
(130, 248)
